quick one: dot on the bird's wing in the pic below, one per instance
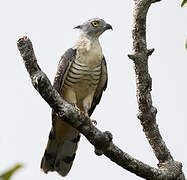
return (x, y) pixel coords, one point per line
(102, 85)
(59, 155)
(63, 67)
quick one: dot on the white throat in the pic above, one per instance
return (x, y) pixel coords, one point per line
(89, 50)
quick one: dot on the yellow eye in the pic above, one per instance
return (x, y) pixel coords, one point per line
(95, 23)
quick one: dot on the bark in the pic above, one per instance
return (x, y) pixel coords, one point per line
(102, 141)
(147, 112)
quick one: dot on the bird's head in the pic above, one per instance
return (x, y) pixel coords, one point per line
(94, 27)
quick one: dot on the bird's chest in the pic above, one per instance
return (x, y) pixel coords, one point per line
(84, 77)
(85, 71)
(91, 59)
(90, 54)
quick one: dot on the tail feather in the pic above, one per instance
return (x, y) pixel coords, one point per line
(59, 156)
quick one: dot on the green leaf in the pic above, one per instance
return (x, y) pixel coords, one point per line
(183, 3)
(186, 44)
(7, 175)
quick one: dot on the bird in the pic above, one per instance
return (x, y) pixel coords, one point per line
(80, 80)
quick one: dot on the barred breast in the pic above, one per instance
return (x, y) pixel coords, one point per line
(82, 78)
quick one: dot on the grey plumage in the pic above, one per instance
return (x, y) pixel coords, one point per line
(88, 29)
(81, 79)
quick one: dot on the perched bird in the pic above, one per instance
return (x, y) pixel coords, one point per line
(81, 79)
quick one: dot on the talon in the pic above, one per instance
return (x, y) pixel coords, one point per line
(75, 106)
(94, 122)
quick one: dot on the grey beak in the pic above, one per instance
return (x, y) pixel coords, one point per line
(108, 26)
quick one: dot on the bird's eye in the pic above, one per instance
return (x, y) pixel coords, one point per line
(95, 23)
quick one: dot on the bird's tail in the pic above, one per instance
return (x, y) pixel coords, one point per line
(59, 156)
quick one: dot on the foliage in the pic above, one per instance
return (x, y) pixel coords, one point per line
(184, 2)
(8, 174)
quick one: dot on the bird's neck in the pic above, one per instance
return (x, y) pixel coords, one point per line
(89, 50)
(86, 42)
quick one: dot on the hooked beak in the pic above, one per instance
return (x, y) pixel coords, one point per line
(77, 27)
(108, 26)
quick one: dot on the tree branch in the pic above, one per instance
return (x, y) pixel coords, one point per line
(147, 112)
(102, 141)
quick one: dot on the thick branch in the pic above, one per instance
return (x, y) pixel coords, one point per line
(147, 112)
(102, 141)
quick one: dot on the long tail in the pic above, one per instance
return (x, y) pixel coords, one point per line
(59, 156)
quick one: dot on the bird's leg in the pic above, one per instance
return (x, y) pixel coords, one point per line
(70, 96)
(87, 102)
